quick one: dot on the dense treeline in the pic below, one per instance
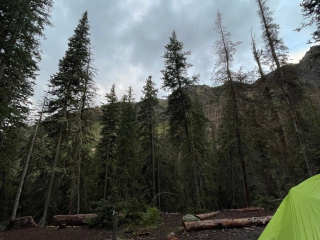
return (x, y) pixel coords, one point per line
(243, 143)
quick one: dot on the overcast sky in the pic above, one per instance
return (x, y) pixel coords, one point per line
(129, 37)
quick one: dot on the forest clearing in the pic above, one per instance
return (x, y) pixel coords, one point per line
(169, 225)
(244, 141)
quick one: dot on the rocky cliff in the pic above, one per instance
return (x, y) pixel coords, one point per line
(307, 71)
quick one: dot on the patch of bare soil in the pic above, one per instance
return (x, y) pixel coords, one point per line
(169, 223)
(54, 233)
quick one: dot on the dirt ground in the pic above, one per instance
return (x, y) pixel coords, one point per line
(169, 223)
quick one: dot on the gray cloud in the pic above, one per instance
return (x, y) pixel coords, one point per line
(129, 36)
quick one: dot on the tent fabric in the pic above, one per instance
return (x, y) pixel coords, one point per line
(298, 216)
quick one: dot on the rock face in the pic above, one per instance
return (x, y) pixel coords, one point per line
(309, 66)
(307, 71)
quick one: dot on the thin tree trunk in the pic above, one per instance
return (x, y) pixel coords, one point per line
(83, 104)
(239, 147)
(294, 117)
(235, 112)
(196, 181)
(25, 169)
(106, 174)
(268, 34)
(231, 172)
(72, 190)
(47, 200)
(293, 113)
(153, 164)
(78, 181)
(158, 173)
(2, 69)
(276, 114)
(24, 172)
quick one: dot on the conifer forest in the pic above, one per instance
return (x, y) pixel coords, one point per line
(244, 141)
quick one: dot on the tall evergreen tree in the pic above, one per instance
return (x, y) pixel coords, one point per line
(66, 88)
(21, 25)
(25, 168)
(147, 120)
(266, 112)
(83, 119)
(106, 149)
(176, 80)
(128, 177)
(225, 50)
(277, 55)
(202, 161)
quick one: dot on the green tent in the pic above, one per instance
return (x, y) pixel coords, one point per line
(298, 216)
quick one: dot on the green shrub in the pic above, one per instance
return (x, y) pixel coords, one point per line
(132, 212)
(151, 216)
(104, 210)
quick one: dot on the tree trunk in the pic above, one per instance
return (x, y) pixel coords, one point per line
(105, 189)
(205, 216)
(72, 193)
(24, 172)
(239, 146)
(153, 163)
(249, 209)
(25, 168)
(72, 220)
(297, 128)
(227, 223)
(268, 34)
(2, 69)
(47, 200)
(159, 195)
(78, 183)
(292, 110)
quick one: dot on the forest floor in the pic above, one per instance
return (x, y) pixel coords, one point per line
(169, 223)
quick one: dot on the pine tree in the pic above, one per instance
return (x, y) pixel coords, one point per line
(176, 80)
(106, 149)
(198, 129)
(147, 120)
(266, 111)
(225, 50)
(21, 27)
(128, 177)
(82, 120)
(66, 88)
(21, 24)
(25, 168)
(277, 55)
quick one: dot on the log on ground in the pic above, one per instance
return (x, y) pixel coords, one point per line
(72, 220)
(22, 222)
(226, 223)
(249, 209)
(204, 216)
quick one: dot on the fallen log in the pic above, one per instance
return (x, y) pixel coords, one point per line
(22, 222)
(205, 216)
(249, 209)
(72, 220)
(226, 223)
